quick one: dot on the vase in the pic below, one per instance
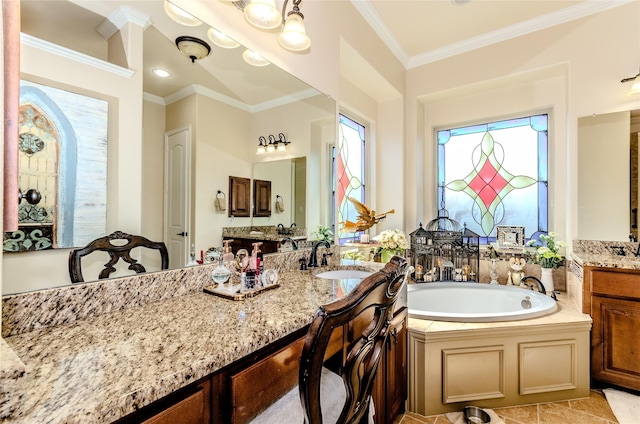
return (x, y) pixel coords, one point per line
(547, 279)
(387, 254)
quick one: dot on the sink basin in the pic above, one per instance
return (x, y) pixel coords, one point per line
(344, 274)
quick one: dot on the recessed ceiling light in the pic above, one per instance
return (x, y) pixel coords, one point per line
(161, 73)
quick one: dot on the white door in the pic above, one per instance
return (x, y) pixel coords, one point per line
(177, 199)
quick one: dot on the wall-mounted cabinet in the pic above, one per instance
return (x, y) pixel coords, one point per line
(239, 197)
(261, 198)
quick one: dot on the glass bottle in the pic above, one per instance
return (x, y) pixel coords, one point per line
(221, 273)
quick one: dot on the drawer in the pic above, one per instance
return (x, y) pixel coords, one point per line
(258, 386)
(615, 283)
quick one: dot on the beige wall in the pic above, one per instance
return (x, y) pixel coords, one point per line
(573, 69)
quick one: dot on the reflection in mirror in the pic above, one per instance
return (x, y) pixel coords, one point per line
(608, 183)
(288, 190)
(225, 103)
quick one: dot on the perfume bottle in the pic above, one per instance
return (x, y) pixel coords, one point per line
(221, 273)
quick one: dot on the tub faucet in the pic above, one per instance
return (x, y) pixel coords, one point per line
(538, 283)
(313, 258)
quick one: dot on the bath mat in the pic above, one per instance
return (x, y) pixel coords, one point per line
(458, 417)
(625, 406)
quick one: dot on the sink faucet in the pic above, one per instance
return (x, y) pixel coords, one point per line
(292, 241)
(538, 283)
(313, 258)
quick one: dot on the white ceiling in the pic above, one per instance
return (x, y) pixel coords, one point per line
(416, 31)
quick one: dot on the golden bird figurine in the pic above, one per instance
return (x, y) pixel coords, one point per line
(367, 218)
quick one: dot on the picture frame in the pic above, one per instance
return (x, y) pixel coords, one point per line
(510, 236)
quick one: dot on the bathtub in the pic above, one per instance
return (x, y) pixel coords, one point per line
(475, 302)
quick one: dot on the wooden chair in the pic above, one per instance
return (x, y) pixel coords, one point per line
(323, 396)
(116, 252)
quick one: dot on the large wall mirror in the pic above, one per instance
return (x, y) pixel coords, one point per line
(221, 103)
(608, 176)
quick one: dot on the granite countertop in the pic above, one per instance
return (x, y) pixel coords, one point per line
(102, 368)
(606, 260)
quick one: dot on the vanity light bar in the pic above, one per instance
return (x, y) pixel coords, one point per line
(274, 145)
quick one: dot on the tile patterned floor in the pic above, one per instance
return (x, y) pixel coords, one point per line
(592, 410)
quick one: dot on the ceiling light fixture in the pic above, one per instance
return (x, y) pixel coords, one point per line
(253, 58)
(264, 14)
(635, 88)
(180, 16)
(192, 47)
(221, 40)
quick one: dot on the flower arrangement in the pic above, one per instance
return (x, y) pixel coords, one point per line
(547, 250)
(323, 233)
(392, 239)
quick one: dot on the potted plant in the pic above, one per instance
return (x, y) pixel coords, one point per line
(548, 256)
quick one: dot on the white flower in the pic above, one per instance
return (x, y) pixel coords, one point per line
(392, 239)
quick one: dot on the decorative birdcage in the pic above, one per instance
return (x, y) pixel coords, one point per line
(444, 251)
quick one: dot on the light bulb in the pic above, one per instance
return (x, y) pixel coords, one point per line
(263, 14)
(180, 16)
(221, 40)
(294, 36)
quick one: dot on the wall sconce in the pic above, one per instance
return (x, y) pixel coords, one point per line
(635, 88)
(263, 14)
(192, 47)
(279, 145)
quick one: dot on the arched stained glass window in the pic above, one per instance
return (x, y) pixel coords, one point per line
(495, 174)
(349, 170)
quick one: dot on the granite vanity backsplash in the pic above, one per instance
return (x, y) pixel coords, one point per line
(269, 232)
(25, 312)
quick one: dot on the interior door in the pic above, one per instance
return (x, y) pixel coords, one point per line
(177, 201)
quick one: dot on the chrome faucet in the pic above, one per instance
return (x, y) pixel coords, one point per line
(313, 258)
(292, 241)
(538, 283)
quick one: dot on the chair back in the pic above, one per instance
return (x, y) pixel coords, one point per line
(116, 252)
(379, 292)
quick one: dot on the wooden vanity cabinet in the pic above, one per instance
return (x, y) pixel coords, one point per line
(612, 298)
(268, 246)
(390, 386)
(190, 405)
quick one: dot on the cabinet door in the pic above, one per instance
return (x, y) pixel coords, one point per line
(615, 343)
(390, 385)
(239, 198)
(261, 198)
(396, 367)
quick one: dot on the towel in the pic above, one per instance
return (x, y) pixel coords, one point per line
(221, 204)
(458, 417)
(279, 204)
(625, 406)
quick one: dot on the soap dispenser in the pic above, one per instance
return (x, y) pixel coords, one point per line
(227, 253)
(254, 261)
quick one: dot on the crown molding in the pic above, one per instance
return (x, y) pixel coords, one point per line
(120, 17)
(581, 10)
(29, 40)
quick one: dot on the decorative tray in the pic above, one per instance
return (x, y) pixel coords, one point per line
(234, 293)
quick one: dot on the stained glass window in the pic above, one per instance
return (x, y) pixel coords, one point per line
(495, 174)
(349, 172)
